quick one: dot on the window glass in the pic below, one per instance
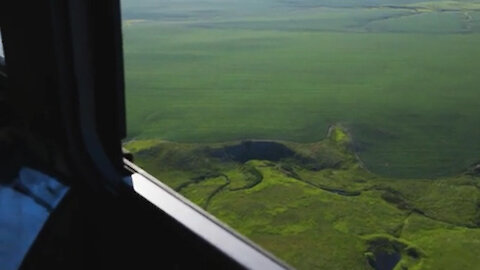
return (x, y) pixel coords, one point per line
(335, 134)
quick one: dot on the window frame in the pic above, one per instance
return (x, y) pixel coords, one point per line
(81, 76)
(236, 246)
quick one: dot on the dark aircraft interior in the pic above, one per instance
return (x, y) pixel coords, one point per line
(66, 195)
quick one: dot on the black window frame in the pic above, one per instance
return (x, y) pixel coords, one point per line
(66, 65)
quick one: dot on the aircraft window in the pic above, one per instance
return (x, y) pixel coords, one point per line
(336, 134)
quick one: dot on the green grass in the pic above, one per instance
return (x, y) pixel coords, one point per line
(398, 80)
(408, 98)
(335, 217)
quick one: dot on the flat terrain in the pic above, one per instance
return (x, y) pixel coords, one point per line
(402, 76)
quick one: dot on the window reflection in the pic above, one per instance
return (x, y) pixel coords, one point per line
(2, 55)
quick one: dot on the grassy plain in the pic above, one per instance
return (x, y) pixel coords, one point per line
(406, 83)
(208, 81)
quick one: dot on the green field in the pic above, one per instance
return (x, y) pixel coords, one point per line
(316, 207)
(406, 83)
(401, 78)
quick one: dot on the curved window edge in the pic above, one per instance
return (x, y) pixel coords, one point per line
(203, 224)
